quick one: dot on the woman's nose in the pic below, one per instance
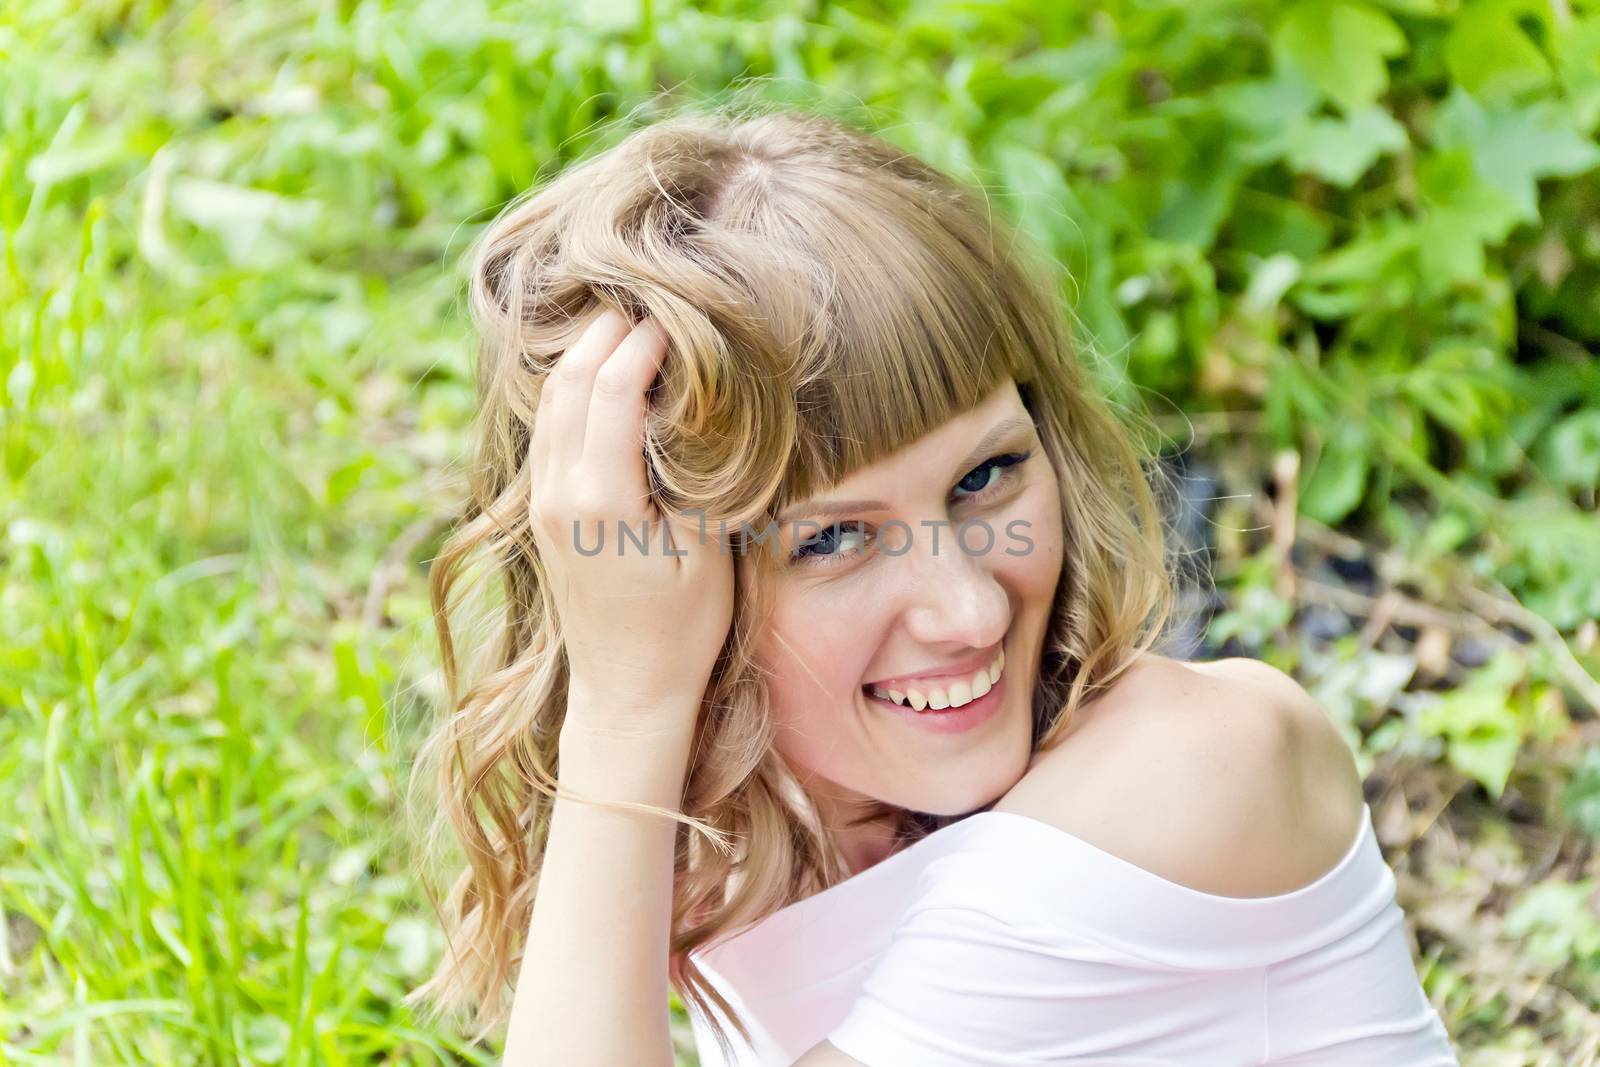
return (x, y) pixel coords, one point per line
(952, 590)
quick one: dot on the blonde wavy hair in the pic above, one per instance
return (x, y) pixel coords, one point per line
(829, 298)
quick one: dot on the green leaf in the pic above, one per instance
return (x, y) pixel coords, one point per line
(1581, 798)
(1481, 722)
(1340, 150)
(1570, 453)
(1044, 199)
(1487, 754)
(1269, 280)
(1488, 52)
(1367, 269)
(1263, 113)
(1194, 207)
(1577, 60)
(1557, 922)
(1341, 47)
(1420, 8)
(344, 480)
(1461, 207)
(1514, 146)
(1463, 385)
(1448, 254)
(255, 225)
(1339, 480)
(1267, 226)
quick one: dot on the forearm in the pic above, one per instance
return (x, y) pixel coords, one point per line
(593, 982)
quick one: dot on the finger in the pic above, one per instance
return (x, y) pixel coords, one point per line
(613, 443)
(538, 443)
(565, 415)
(694, 536)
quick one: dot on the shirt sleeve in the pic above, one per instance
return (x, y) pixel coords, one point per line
(1014, 955)
(943, 994)
(960, 986)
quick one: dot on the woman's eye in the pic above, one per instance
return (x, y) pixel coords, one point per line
(846, 540)
(990, 473)
(831, 538)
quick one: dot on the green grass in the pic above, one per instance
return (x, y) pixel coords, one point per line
(235, 385)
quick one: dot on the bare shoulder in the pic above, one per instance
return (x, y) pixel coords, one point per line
(1226, 777)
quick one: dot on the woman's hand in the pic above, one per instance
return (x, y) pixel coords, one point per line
(642, 628)
(642, 632)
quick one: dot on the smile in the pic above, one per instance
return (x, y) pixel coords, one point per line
(955, 694)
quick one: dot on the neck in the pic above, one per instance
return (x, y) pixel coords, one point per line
(861, 845)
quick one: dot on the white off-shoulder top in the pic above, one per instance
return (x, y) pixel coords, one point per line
(1003, 940)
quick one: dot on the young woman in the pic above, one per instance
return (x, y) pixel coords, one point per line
(823, 685)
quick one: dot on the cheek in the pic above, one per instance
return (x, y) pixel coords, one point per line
(814, 658)
(1032, 546)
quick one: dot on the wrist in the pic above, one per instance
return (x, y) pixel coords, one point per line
(633, 753)
(602, 768)
(630, 719)
(624, 746)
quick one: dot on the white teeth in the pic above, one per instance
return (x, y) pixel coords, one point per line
(958, 694)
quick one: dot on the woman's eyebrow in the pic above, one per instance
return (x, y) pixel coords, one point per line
(813, 508)
(999, 432)
(980, 452)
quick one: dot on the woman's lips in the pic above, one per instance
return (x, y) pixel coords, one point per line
(950, 690)
(968, 716)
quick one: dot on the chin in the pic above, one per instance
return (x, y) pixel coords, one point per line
(965, 803)
(952, 808)
(971, 796)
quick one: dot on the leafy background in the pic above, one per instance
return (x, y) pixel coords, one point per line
(1349, 251)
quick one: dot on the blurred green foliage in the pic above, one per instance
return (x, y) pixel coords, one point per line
(235, 373)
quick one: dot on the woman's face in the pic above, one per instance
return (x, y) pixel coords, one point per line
(941, 557)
